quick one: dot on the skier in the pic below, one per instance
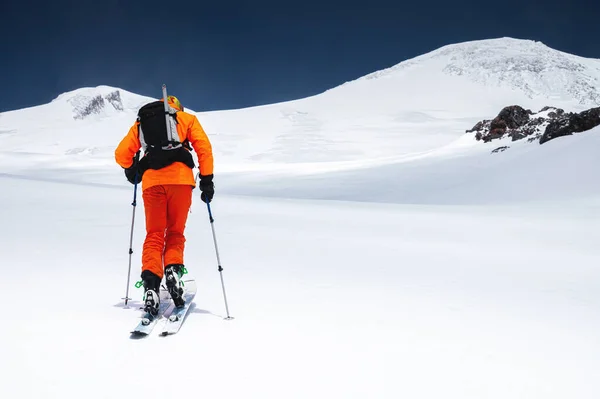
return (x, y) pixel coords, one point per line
(165, 172)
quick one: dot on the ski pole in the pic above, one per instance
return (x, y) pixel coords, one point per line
(212, 226)
(134, 204)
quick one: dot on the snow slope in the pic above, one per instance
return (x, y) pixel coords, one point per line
(563, 168)
(330, 300)
(416, 106)
(371, 249)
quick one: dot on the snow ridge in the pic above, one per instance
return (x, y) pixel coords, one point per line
(524, 65)
(101, 101)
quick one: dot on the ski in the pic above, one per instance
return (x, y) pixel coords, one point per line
(148, 321)
(175, 320)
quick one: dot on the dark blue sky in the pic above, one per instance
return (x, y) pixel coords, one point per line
(229, 54)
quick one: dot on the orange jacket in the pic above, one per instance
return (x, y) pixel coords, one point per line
(188, 128)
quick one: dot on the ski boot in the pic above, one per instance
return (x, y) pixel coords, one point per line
(151, 292)
(173, 274)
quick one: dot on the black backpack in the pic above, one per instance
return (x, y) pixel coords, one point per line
(160, 149)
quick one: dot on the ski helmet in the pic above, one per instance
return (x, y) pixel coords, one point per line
(175, 101)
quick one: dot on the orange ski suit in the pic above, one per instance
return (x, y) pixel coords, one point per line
(167, 193)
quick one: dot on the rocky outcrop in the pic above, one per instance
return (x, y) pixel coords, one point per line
(500, 149)
(114, 99)
(568, 124)
(517, 123)
(93, 106)
(512, 117)
(84, 106)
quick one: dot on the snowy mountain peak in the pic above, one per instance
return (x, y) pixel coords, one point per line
(84, 106)
(102, 101)
(527, 66)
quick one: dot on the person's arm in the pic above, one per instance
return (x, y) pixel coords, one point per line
(128, 147)
(199, 141)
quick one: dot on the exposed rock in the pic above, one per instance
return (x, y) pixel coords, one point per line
(509, 119)
(570, 123)
(115, 99)
(94, 106)
(85, 105)
(500, 149)
(517, 123)
(513, 117)
(483, 125)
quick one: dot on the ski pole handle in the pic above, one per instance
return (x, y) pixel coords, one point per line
(210, 216)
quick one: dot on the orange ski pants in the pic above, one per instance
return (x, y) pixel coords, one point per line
(166, 208)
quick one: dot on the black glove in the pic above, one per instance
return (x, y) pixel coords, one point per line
(207, 187)
(133, 174)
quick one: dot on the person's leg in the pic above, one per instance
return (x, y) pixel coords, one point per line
(179, 200)
(155, 207)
